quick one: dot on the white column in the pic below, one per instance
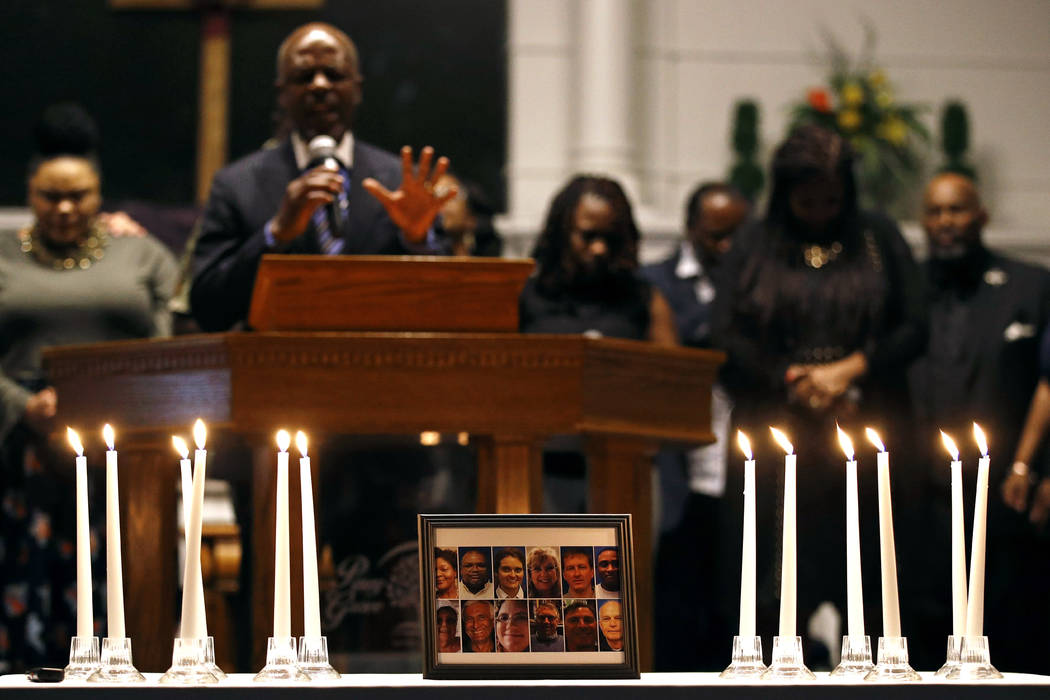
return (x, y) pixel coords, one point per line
(539, 113)
(605, 78)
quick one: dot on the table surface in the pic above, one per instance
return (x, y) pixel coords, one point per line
(662, 685)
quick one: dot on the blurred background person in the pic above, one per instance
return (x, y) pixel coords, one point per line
(448, 628)
(510, 573)
(824, 311)
(512, 626)
(445, 579)
(692, 483)
(1029, 467)
(587, 281)
(544, 573)
(67, 279)
(586, 277)
(987, 313)
(466, 219)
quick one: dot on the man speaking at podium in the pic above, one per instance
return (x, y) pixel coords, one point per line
(319, 191)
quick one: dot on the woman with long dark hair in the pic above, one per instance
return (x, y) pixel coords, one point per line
(824, 312)
(587, 263)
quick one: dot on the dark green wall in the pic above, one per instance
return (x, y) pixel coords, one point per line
(435, 73)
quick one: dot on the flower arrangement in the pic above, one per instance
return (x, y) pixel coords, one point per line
(860, 104)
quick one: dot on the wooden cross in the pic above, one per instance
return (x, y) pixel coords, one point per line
(213, 117)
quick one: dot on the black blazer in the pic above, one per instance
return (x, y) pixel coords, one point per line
(1000, 365)
(245, 195)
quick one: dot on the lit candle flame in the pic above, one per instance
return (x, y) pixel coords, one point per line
(874, 439)
(74, 441)
(982, 442)
(300, 442)
(782, 440)
(107, 435)
(949, 445)
(283, 440)
(180, 446)
(744, 443)
(845, 442)
(200, 433)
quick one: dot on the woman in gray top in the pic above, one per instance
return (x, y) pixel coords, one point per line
(64, 280)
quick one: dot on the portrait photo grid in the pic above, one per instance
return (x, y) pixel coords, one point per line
(542, 599)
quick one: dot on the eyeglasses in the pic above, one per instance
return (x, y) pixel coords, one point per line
(519, 619)
(546, 618)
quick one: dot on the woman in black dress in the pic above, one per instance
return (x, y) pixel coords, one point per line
(823, 316)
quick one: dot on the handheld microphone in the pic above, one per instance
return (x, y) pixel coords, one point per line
(321, 151)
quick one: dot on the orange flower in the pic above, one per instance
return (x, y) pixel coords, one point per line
(819, 100)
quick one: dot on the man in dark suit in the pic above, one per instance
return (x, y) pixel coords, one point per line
(692, 483)
(987, 313)
(272, 201)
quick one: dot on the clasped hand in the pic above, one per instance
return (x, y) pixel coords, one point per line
(819, 387)
(412, 207)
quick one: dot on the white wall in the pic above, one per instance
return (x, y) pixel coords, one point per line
(695, 58)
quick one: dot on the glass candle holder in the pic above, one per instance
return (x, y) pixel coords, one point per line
(116, 664)
(856, 657)
(281, 662)
(313, 659)
(975, 662)
(747, 659)
(893, 662)
(187, 664)
(787, 662)
(83, 657)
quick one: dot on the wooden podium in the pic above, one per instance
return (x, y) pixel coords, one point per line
(510, 392)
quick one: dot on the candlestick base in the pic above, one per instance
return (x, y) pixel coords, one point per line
(975, 663)
(856, 657)
(209, 659)
(116, 663)
(893, 662)
(83, 657)
(787, 661)
(747, 659)
(281, 663)
(187, 664)
(313, 659)
(951, 658)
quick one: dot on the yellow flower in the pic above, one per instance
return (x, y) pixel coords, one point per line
(852, 94)
(893, 130)
(849, 119)
(883, 98)
(877, 78)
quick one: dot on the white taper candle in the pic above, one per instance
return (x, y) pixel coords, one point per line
(85, 614)
(282, 595)
(975, 606)
(789, 557)
(114, 569)
(747, 558)
(311, 594)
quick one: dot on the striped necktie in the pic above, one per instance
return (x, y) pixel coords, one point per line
(332, 242)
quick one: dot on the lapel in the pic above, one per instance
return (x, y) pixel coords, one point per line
(363, 207)
(990, 304)
(274, 174)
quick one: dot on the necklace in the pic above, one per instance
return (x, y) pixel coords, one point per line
(817, 256)
(90, 250)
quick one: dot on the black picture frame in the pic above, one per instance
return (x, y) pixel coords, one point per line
(477, 540)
